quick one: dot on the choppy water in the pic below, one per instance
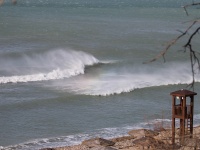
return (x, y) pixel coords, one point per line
(73, 70)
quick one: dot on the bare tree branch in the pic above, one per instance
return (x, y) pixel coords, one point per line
(194, 60)
(193, 56)
(171, 43)
(189, 5)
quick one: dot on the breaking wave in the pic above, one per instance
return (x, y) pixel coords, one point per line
(117, 82)
(57, 64)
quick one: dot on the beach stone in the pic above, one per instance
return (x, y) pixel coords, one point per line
(75, 147)
(165, 136)
(124, 138)
(148, 140)
(97, 142)
(124, 144)
(142, 133)
(192, 142)
(103, 148)
(151, 143)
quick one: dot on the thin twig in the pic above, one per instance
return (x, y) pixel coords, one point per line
(194, 60)
(189, 5)
(171, 43)
(193, 56)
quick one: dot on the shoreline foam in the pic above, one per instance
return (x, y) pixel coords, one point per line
(139, 139)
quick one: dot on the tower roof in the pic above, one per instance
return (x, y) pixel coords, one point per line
(183, 92)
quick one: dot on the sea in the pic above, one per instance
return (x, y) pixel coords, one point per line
(72, 70)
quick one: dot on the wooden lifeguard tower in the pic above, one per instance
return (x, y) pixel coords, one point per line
(182, 108)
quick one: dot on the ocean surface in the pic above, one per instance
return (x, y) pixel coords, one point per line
(73, 69)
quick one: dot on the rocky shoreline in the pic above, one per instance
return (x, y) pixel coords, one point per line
(139, 140)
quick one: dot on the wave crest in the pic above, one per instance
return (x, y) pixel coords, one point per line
(117, 82)
(52, 65)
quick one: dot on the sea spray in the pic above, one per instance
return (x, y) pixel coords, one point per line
(112, 82)
(56, 64)
(129, 31)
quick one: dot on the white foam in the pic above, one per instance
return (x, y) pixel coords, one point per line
(61, 63)
(55, 74)
(106, 133)
(117, 83)
(70, 140)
